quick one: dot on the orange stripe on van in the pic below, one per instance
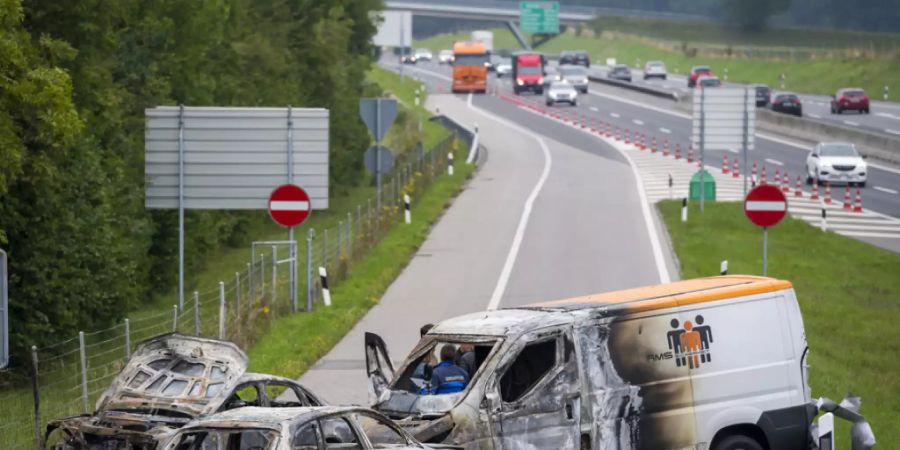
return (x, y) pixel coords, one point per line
(687, 292)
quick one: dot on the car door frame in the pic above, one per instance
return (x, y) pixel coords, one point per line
(376, 370)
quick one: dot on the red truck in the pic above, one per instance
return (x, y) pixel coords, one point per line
(528, 72)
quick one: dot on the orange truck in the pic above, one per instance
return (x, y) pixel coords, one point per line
(470, 71)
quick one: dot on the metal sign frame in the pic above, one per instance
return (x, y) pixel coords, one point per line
(291, 259)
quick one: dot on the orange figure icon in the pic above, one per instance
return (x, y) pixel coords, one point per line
(691, 344)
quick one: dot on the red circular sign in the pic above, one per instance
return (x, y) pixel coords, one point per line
(765, 205)
(289, 205)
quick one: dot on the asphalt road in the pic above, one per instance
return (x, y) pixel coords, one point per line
(659, 118)
(883, 119)
(543, 218)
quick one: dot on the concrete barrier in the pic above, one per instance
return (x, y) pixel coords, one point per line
(649, 90)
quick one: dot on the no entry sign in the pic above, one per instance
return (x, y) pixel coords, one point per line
(765, 205)
(289, 205)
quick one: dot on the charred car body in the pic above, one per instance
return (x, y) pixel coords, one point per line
(717, 363)
(169, 381)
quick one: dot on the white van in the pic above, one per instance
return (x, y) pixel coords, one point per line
(713, 363)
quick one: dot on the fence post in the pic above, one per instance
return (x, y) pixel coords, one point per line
(36, 394)
(325, 247)
(349, 234)
(221, 310)
(237, 292)
(309, 242)
(250, 281)
(175, 319)
(274, 275)
(197, 313)
(127, 340)
(340, 242)
(262, 275)
(84, 387)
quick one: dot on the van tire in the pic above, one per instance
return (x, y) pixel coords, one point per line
(738, 442)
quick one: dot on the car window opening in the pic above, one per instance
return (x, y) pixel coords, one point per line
(425, 374)
(528, 369)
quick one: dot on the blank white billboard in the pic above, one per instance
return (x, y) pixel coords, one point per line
(726, 113)
(395, 29)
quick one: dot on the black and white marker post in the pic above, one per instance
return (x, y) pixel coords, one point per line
(406, 212)
(723, 267)
(684, 210)
(450, 163)
(671, 187)
(824, 219)
(326, 294)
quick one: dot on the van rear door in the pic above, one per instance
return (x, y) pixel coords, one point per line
(539, 393)
(379, 367)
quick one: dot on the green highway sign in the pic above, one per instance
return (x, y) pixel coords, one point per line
(539, 17)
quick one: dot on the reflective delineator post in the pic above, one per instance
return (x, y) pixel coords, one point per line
(684, 210)
(326, 292)
(450, 163)
(824, 223)
(406, 211)
(723, 267)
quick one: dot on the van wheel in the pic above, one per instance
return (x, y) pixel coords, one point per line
(738, 442)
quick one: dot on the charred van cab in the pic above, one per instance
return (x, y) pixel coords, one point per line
(169, 381)
(718, 363)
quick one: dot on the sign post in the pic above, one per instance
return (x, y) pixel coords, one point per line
(378, 114)
(765, 206)
(289, 206)
(539, 17)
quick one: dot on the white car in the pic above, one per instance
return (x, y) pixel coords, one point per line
(445, 57)
(655, 69)
(836, 162)
(503, 69)
(561, 92)
(423, 54)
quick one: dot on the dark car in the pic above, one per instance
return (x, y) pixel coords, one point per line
(697, 72)
(762, 94)
(852, 99)
(579, 58)
(620, 72)
(787, 104)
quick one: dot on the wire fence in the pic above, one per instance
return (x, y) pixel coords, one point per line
(67, 378)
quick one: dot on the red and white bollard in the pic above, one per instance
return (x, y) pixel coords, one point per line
(858, 206)
(653, 145)
(827, 199)
(815, 190)
(786, 183)
(736, 169)
(798, 190)
(690, 156)
(777, 180)
(848, 202)
(666, 148)
(762, 178)
(677, 151)
(725, 164)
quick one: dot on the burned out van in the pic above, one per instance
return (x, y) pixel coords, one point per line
(718, 363)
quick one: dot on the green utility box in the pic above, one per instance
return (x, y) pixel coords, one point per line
(709, 184)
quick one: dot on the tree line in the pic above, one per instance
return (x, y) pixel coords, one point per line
(75, 78)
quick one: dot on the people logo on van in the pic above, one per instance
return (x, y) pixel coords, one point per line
(689, 343)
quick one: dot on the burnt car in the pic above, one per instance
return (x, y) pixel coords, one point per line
(315, 428)
(170, 380)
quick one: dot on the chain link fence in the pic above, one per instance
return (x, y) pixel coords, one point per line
(68, 377)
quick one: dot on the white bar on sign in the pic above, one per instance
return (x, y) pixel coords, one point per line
(288, 206)
(765, 206)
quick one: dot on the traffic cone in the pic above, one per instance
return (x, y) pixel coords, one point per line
(786, 183)
(725, 164)
(815, 190)
(627, 138)
(690, 156)
(848, 202)
(653, 145)
(677, 151)
(643, 143)
(736, 169)
(593, 124)
(777, 181)
(858, 207)
(798, 190)
(608, 130)
(762, 178)
(754, 172)
(827, 193)
(666, 148)
(584, 121)
(618, 134)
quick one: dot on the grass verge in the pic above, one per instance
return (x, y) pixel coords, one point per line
(849, 294)
(308, 337)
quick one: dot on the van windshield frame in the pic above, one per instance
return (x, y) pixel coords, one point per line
(403, 377)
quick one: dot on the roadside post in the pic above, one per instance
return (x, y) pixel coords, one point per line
(723, 267)
(765, 206)
(824, 219)
(378, 114)
(886, 91)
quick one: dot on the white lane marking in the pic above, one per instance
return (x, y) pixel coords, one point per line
(638, 122)
(888, 115)
(884, 189)
(765, 206)
(733, 150)
(505, 273)
(616, 115)
(888, 130)
(884, 168)
(852, 124)
(594, 108)
(665, 130)
(814, 116)
(774, 161)
(656, 248)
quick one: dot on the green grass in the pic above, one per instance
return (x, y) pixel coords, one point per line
(308, 337)
(405, 92)
(849, 294)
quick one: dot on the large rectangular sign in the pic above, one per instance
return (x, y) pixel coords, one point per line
(539, 17)
(727, 116)
(394, 29)
(234, 157)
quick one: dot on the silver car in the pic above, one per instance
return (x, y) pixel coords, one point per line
(252, 428)
(620, 72)
(561, 92)
(655, 69)
(575, 75)
(836, 162)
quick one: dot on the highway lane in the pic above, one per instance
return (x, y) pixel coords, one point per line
(884, 117)
(657, 117)
(535, 223)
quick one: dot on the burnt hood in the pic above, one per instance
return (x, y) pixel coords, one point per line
(176, 375)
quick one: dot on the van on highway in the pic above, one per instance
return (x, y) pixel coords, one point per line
(713, 363)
